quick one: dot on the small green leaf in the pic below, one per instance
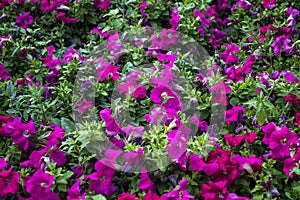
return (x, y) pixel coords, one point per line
(68, 125)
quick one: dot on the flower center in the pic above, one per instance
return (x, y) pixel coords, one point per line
(44, 185)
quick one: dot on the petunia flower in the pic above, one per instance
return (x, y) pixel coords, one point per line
(270, 4)
(134, 158)
(66, 19)
(175, 18)
(292, 15)
(8, 182)
(229, 56)
(38, 186)
(219, 91)
(197, 164)
(152, 196)
(114, 45)
(84, 106)
(98, 31)
(281, 44)
(20, 133)
(233, 114)
(246, 5)
(297, 118)
(3, 163)
(290, 163)
(127, 196)
(214, 190)
(293, 99)
(281, 141)
(201, 17)
(24, 20)
(145, 181)
(74, 192)
(104, 4)
(112, 127)
(180, 192)
(290, 78)
(223, 4)
(106, 69)
(3, 73)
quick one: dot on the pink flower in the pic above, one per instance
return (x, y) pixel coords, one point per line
(24, 20)
(165, 97)
(127, 196)
(20, 133)
(270, 4)
(292, 98)
(140, 92)
(98, 31)
(8, 182)
(3, 122)
(104, 4)
(66, 19)
(106, 69)
(229, 56)
(38, 186)
(145, 181)
(290, 78)
(74, 192)
(114, 45)
(213, 190)
(3, 163)
(197, 164)
(200, 17)
(152, 196)
(175, 18)
(219, 91)
(281, 141)
(84, 106)
(132, 131)
(3, 73)
(134, 158)
(290, 163)
(112, 127)
(233, 114)
(180, 192)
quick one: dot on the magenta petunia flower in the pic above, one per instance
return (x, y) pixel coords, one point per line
(181, 192)
(152, 196)
(293, 99)
(145, 181)
(24, 20)
(214, 190)
(197, 164)
(223, 4)
(104, 4)
(35, 159)
(74, 192)
(166, 97)
(133, 131)
(175, 18)
(106, 69)
(270, 4)
(49, 5)
(8, 182)
(3, 121)
(98, 31)
(3, 163)
(281, 141)
(200, 17)
(169, 58)
(127, 196)
(281, 44)
(246, 5)
(114, 45)
(3, 73)
(290, 163)
(66, 19)
(112, 127)
(233, 114)
(84, 106)
(290, 78)
(20, 133)
(140, 92)
(38, 186)
(134, 158)
(219, 91)
(247, 65)
(101, 180)
(70, 54)
(292, 15)
(229, 56)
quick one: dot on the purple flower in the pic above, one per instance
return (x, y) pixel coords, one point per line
(140, 92)
(104, 4)
(197, 164)
(223, 4)
(281, 42)
(84, 106)
(3, 73)
(112, 127)
(105, 69)
(145, 181)
(8, 182)
(132, 131)
(134, 158)
(229, 56)
(246, 5)
(102, 178)
(66, 19)
(292, 14)
(166, 97)
(20, 133)
(290, 78)
(199, 16)
(180, 192)
(281, 142)
(3, 163)
(74, 192)
(219, 91)
(38, 186)
(175, 18)
(114, 45)
(24, 20)
(233, 115)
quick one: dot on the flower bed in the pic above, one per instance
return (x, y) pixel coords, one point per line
(115, 99)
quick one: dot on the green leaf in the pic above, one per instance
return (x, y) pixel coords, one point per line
(261, 116)
(234, 101)
(68, 125)
(99, 197)
(10, 89)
